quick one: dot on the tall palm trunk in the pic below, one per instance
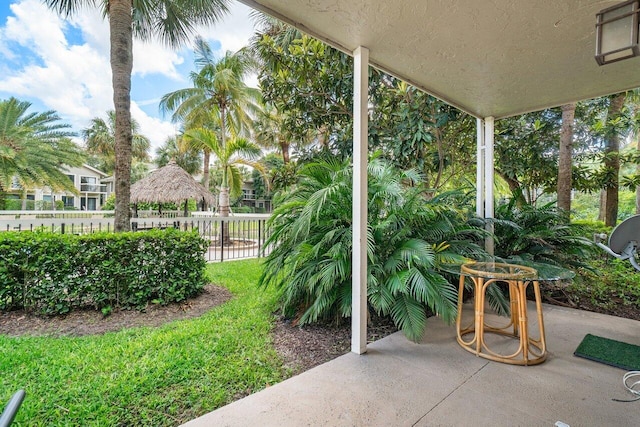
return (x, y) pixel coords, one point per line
(223, 198)
(121, 36)
(565, 157)
(23, 206)
(223, 201)
(205, 168)
(224, 210)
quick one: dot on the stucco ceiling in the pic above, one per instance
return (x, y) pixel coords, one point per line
(487, 57)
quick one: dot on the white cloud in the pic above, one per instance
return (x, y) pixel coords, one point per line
(235, 29)
(70, 79)
(155, 129)
(73, 76)
(150, 58)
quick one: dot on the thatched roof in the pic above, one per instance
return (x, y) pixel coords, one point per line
(170, 183)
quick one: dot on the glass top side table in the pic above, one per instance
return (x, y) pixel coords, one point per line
(517, 277)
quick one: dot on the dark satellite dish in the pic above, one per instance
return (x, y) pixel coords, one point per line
(624, 241)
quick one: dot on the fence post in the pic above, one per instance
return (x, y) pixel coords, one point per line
(221, 240)
(259, 235)
(62, 228)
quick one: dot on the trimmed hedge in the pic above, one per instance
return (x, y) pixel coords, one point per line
(55, 273)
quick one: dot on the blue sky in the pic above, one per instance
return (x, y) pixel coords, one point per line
(63, 64)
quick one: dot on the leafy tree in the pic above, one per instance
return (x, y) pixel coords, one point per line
(414, 129)
(33, 146)
(139, 170)
(100, 141)
(408, 236)
(529, 158)
(219, 98)
(172, 22)
(526, 150)
(311, 86)
(188, 158)
(309, 83)
(633, 180)
(284, 177)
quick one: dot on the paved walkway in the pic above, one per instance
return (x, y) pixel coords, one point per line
(437, 383)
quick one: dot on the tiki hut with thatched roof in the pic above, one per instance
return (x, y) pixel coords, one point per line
(170, 184)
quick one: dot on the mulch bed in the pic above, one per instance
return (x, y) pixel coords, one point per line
(92, 322)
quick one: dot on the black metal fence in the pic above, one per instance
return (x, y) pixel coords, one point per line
(236, 237)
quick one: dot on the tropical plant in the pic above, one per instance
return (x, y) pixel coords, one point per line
(33, 147)
(542, 234)
(100, 141)
(408, 237)
(219, 99)
(229, 157)
(172, 22)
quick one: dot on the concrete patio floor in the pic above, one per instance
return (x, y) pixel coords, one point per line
(437, 383)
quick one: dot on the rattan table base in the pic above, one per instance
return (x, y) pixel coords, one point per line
(530, 351)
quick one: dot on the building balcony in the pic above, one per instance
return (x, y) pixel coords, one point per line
(93, 188)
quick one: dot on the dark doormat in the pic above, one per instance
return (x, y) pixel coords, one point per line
(610, 352)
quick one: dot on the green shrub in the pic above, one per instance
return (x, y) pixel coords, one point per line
(16, 205)
(541, 234)
(408, 236)
(53, 273)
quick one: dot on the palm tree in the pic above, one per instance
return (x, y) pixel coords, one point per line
(33, 146)
(176, 148)
(271, 132)
(612, 136)
(229, 157)
(172, 22)
(565, 157)
(100, 140)
(219, 98)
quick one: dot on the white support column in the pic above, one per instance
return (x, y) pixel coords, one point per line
(489, 173)
(359, 208)
(480, 168)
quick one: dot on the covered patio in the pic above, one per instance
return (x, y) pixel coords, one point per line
(491, 59)
(437, 383)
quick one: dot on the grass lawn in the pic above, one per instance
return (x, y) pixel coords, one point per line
(149, 376)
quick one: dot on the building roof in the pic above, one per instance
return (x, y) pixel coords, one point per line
(170, 183)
